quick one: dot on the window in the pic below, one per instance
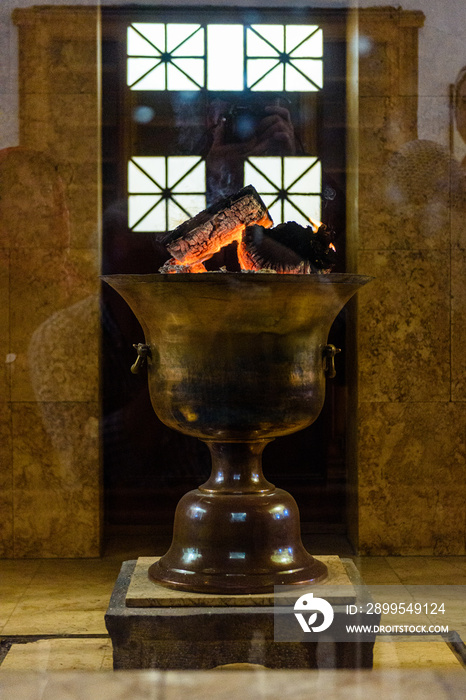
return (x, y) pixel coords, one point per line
(277, 57)
(177, 66)
(164, 192)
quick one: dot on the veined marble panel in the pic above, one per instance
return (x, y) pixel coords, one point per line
(54, 312)
(56, 479)
(404, 326)
(406, 204)
(55, 446)
(57, 523)
(63, 354)
(5, 356)
(412, 460)
(412, 443)
(458, 325)
(6, 482)
(33, 212)
(405, 521)
(6, 524)
(84, 223)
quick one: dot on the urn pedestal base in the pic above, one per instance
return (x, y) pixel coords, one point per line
(152, 626)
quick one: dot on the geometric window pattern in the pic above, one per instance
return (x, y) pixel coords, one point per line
(261, 57)
(284, 58)
(164, 192)
(165, 56)
(290, 186)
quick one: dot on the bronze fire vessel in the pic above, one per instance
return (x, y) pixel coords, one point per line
(236, 359)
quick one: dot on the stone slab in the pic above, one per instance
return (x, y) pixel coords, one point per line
(144, 593)
(199, 637)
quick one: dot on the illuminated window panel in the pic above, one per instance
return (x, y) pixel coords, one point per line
(225, 57)
(284, 58)
(289, 186)
(164, 192)
(278, 57)
(165, 56)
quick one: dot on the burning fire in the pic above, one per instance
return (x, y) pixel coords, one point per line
(243, 219)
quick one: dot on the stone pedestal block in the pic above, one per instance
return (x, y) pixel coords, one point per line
(193, 635)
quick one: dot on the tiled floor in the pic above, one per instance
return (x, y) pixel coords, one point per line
(62, 603)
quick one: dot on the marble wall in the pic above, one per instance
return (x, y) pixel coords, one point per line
(407, 483)
(49, 264)
(411, 443)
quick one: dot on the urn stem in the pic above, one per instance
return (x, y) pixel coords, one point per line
(237, 468)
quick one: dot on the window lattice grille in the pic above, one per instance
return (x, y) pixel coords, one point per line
(164, 192)
(273, 57)
(290, 186)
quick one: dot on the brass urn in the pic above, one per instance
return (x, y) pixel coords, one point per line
(236, 359)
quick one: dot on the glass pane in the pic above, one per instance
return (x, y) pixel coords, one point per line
(177, 34)
(298, 176)
(273, 33)
(260, 79)
(258, 46)
(192, 203)
(137, 67)
(304, 75)
(138, 46)
(154, 166)
(225, 57)
(178, 77)
(257, 180)
(275, 212)
(155, 80)
(304, 40)
(192, 46)
(291, 214)
(310, 205)
(138, 206)
(178, 170)
(139, 181)
(193, 67)
(270, 166)
(155, 33)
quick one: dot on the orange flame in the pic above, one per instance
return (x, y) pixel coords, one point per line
(315, 224)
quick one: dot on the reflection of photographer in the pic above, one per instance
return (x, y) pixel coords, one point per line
(239, 131)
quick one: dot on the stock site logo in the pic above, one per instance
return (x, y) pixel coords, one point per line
(308, 604)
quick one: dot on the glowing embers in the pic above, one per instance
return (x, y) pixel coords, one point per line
(288, 248)
(284, 57)
(243, 219)
(165, 56)
(201, 237)
(163, 192)
(290, 186)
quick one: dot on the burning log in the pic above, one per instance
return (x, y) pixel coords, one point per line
(222, 223)
(173, 266)
(288, 248)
